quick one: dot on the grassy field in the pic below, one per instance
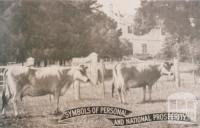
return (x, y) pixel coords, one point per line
(36, 112)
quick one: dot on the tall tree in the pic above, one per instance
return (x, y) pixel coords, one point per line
(173, 16)
(60, 30)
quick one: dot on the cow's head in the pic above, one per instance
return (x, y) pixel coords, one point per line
(79, 73)
(165, 68)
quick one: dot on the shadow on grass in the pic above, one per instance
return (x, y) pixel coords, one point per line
(90, 99)
(154, 101)
(21, 116)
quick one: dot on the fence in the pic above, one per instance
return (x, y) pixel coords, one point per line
(2, 76)
(94, 66)
(91, 61)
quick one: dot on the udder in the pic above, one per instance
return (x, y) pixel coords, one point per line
(132, 84)
(30, 91)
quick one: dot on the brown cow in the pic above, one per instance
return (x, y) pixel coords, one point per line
(138, 75)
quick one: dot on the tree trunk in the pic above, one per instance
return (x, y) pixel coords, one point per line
(38, 63)
(60, 62)
(133, 52)
(45, 62)
(193, 64)
(64, 62)
(176, 64)
(35, 63)
(193, 72)
(103, 81)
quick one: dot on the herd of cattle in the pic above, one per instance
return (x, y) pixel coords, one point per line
(20, 81)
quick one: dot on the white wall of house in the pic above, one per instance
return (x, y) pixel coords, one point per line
(152, 47)
(153, 41)
(150, 43)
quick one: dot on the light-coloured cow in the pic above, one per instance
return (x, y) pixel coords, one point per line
(138, 75)
(26, 81)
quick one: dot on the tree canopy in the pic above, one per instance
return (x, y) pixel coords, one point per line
(60, 30)
(180, 19)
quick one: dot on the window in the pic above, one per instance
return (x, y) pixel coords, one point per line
(144, 48)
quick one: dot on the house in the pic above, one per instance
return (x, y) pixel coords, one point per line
(150, 43)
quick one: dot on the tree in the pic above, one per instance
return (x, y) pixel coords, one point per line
(6, 48)
(61, 30)
(174, 17)
(104, 39)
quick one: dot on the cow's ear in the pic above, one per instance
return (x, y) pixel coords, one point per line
(86, 67)
(83, 67)
(167, 63)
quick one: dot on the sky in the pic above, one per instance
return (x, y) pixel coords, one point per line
(124, 6)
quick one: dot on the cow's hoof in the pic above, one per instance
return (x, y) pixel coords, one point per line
(4, 116)
(19, 116)
(125, 103)
(57, 112)
(142, 102)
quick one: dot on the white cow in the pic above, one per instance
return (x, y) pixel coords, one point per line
(26, 81)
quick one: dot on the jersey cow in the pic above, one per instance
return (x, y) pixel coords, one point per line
(138, 75)
(26, 81)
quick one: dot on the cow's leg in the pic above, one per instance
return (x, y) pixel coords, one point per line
(113, 89)
(150, 91)
(14, 102)
(57, 110)
(123, 92)
(5, 97)
(50, 98)
(5, 100)
(144, 93)
(120, 94)
(4, 111)
(4, 105)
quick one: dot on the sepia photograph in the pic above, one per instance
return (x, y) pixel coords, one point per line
(99, 63)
